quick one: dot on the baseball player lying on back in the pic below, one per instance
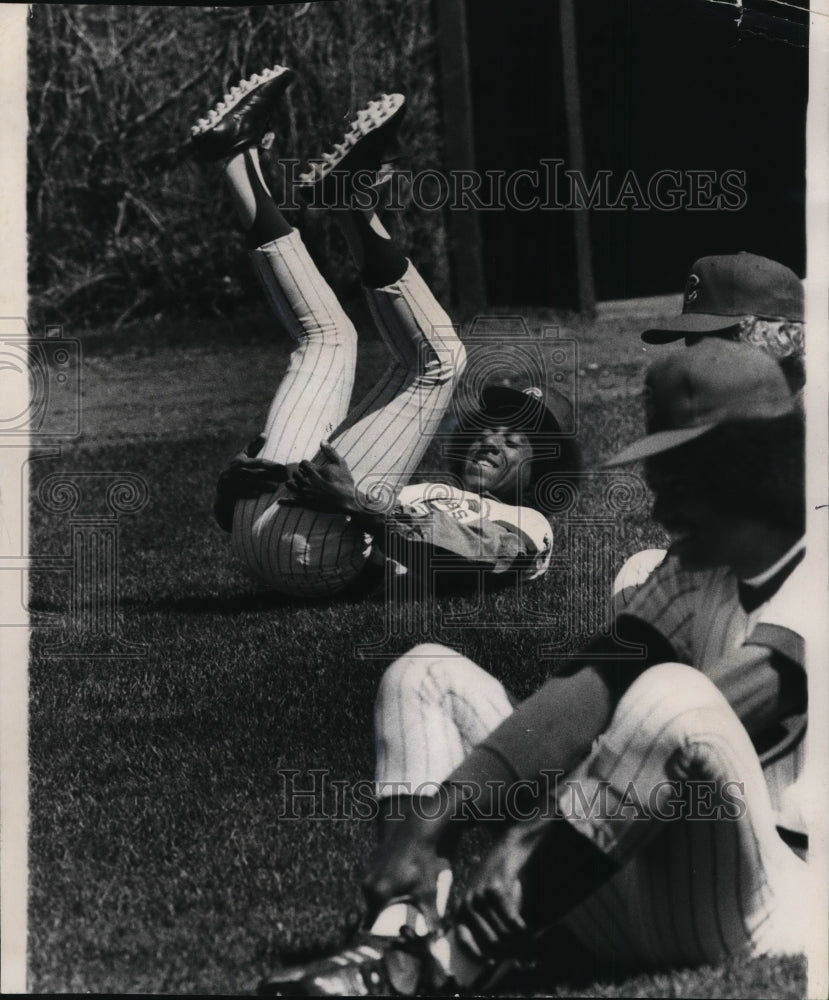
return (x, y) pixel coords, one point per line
(312, 500)
(645, 804)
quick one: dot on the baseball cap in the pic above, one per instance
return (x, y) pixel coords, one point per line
(721, 289)
(523, 409)
(713, 382)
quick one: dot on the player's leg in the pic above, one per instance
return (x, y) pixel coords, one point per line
(284, 545)
(704, 873)
(313, 395)
(407, 405)
(386, 434)
(432, 707)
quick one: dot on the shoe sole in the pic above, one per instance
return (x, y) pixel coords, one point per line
(217, 114)
(376, 123)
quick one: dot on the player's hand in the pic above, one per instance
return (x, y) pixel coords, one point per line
(327, 485)
(246, 478)
(489, 921)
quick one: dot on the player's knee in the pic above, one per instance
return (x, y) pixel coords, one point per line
(446, 363)
(408, 674)
(668, 689)
(669, 708)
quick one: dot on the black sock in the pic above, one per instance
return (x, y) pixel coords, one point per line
(269, 223)
(564, 869)
(383, 261)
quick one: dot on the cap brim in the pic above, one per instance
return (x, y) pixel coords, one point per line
(655, 444)
(690, 323)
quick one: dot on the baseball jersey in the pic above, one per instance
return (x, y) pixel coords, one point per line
(701, 616)
(474, 528)
(694, 618)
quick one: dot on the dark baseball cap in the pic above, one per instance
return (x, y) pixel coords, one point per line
(720, 290)
(712, 383)
(529, 410)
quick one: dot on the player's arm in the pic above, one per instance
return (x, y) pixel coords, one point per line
(246, 477)
(330, 486)
(491, 545)
(764, 681)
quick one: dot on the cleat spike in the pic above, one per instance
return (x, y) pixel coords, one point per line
(242, 118)
(362, 146)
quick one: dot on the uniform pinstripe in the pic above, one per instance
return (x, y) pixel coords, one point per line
(382, 439)
(433, 705)
(701, 615)
(699, 890)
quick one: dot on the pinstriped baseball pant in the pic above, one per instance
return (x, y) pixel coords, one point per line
(689, 891)
(382, 439)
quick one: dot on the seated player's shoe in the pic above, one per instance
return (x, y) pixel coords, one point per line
(371, 966)
(365, 147)
(243, 117)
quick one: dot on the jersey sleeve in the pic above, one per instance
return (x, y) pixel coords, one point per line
(536, 533)
(498, 546)
(667, 602)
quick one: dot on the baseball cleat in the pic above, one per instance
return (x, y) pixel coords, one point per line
(363, 147)
(372, 966)
(243, 116)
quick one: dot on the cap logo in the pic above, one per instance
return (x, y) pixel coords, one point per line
(691, 288)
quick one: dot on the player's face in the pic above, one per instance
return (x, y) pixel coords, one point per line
(703, 536)
(498, 462)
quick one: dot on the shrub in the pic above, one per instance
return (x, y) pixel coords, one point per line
(122, 223)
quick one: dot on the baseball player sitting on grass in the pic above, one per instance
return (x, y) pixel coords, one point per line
(313, 499)
(740, 297)
(645, 803)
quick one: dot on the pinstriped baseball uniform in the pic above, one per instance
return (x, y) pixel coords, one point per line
(688, 891)
(382, 439)
(700, 614)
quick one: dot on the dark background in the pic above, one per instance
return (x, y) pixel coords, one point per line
(681, 85)
(125, 229)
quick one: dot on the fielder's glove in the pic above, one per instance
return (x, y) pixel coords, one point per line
(246, 477)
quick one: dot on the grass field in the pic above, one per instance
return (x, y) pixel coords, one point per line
(161, 856)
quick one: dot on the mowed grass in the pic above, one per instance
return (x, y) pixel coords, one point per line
(167, 851)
